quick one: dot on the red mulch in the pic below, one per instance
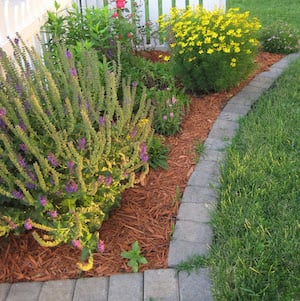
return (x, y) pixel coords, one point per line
(147, 212)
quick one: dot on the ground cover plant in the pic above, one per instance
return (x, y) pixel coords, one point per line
(69, 146)
(255, 255)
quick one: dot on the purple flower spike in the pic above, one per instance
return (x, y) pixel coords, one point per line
(43, 200)
(68, 54)
(101, 120)
(18, 194)
(70, 165)
(52, 159)
(73, 72)
(71, 187)
(81, 143)
(28, 224)
(100, 246)
(23, 147)
(21, 161)
(143, 152)
(16, 41)
(133, 133)
(108, 180)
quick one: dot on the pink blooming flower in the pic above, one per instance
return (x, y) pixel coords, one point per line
(165, 117)
(53, 213)
(43, 200)
(2, 112)
(174, 100)
(76, 243)
(115, 15)
(100, 180)
(28, 224)
(100, 246)
(120, 4)
(172, 115)
(130, 35)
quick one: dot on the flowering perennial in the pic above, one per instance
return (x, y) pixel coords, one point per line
(201, 40)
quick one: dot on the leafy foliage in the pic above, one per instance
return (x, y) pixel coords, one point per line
(135, 257)
(280, 37)
(211, 51)
(68, 145)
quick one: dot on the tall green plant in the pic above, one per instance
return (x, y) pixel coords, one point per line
(68, 146)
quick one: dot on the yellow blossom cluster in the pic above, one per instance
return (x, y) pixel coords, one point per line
(198, 32)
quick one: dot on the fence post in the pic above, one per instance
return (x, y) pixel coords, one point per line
(214, 4)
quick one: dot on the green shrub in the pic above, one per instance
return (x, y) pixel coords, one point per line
(100, 28)
(211, 51)
(68, 146)
(280, 37)
(169, 111)
(158, 153)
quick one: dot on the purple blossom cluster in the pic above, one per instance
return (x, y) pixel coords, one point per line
(52, 160)
(71, 187)
(143, 152)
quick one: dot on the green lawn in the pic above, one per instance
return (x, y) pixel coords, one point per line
(270, 11)
(256, 249)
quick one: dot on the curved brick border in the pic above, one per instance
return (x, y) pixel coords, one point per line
(192, 234)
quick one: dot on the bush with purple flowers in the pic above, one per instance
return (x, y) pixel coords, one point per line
(69, 147)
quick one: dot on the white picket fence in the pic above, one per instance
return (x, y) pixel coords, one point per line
(27, 16)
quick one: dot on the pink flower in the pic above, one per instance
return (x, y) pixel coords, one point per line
(120, 4)
(172, 115)
(28, 224)
(165, 117)
(43, 200)
(115, 15)
(76, 243)
(130, 35)
(100, 246)
(53, 213)
(174, 100)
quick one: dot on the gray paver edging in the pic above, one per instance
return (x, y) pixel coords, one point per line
(192, 234)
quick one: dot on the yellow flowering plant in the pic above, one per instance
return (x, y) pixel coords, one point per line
(211, 51)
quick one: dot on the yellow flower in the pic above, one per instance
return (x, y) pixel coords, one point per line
(207, 40)
(166, 58)
(210, 51)
(200, 51)
(237, 49)
(143, 122)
